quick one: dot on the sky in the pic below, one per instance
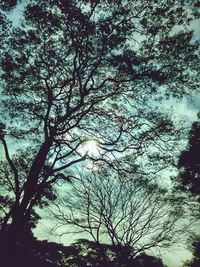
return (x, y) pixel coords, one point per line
(185, 109)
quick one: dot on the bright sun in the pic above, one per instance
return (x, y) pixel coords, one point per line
(91, 148)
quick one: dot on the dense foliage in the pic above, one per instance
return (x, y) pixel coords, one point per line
(189, 161)
(76, 72)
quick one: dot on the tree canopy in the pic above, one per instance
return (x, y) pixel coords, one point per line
(189, 161)
(81, 71)
(189, 175)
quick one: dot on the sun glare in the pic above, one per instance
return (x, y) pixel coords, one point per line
(91, 148)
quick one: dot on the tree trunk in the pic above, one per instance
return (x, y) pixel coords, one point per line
(20, 216)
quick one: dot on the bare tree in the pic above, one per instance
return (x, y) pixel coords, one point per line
(132, 212)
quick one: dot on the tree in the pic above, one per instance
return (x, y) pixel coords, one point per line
(8, 5)
(81, 70)
(127, 212)
(88, 253)
(5, 6)
(189, 170)
(196, 251)
(189, 162)
(82, 253)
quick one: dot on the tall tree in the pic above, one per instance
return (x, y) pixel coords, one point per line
(89, 70)
(189, 161)
(189, 167)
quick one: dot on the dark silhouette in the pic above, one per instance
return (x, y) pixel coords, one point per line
(189, 161)
(31, 252)
(8, 5)
(87, 253)
(195, 249)
(189, 167)
(21, 253)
